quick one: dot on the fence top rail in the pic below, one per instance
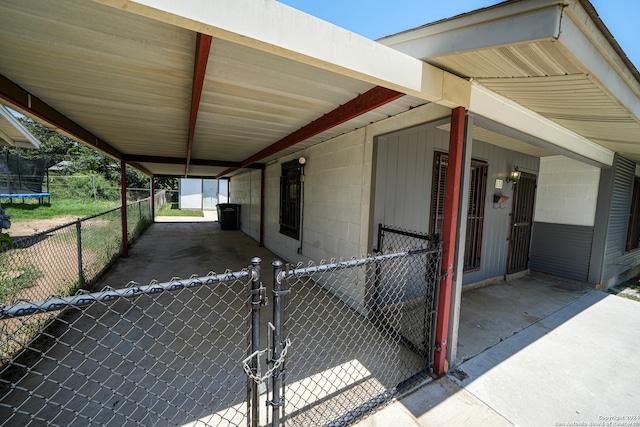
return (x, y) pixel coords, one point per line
(134, 290)
(403, 232)
(345, 264)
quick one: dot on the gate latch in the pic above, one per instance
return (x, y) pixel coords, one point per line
(262, 293)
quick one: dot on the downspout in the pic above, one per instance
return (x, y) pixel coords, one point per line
(449, 238)
(123, 209)
(262, 186)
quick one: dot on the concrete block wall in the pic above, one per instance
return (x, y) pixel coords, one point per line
(567, 192)
(337, 198)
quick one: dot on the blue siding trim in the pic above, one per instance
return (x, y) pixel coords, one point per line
(562, 250)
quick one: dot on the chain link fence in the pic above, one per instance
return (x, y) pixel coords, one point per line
(335, 342)
(160, 354)
(61, 260)
(344, 359)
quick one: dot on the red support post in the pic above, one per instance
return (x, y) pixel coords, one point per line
(449, 236)
(123, 209)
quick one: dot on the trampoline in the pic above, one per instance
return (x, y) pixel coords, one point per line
(22, 178)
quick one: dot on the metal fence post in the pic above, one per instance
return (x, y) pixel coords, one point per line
(256, 301)
(79, 244)
(277, 404)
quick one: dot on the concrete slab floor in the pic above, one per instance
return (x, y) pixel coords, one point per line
(576, 366)
(180, 249)
(442, 403)
(490, 314)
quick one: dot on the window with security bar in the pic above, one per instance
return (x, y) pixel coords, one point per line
(475, 210)
(290, 191)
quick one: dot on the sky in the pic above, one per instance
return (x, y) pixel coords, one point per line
(378, 18)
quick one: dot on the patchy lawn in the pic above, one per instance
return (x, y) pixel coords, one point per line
(33, 211)
(171, 209)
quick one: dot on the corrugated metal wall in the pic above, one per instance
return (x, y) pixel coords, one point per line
(404, 173)
(616, 260)
(562, 250)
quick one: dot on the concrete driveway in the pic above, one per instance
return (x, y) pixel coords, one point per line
(576, 366)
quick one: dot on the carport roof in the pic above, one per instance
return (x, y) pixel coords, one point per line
(202, 87)
(554, 58)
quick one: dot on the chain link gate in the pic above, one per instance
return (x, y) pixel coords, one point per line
(420, 296)
(188, 352)
(346, 354)
(154, 355)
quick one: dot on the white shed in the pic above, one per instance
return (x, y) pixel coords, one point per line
(202, 194)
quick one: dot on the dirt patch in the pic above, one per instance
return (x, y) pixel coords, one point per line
(28, 228)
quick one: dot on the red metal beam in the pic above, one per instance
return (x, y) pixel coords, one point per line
(364, 103)
(203, 46)
(33, 105)
(449, 236)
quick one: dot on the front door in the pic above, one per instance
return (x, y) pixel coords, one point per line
(524, 193)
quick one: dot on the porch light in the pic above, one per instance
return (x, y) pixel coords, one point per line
(514, 177)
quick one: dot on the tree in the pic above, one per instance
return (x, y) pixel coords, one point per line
(56, 148)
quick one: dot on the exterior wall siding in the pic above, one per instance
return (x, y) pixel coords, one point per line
(562, 250)
(404, 171)
(616, 260)
(567, 192)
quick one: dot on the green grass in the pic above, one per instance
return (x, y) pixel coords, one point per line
(12, 280)
(31, 210)
(171, 209)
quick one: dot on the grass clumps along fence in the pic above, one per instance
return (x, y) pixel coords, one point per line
(61, 260)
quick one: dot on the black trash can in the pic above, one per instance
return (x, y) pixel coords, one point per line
(228, 216)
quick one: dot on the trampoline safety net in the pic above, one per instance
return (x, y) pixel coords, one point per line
(21, 176)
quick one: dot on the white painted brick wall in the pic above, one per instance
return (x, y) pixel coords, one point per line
(567, 192)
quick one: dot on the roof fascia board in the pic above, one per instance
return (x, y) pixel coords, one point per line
(30, 140)
(543, 132)
(514, 23)
(581, 37)
(287, 32)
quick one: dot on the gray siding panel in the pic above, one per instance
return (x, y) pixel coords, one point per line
(562, 250)
(616, 260)
(404, 175)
